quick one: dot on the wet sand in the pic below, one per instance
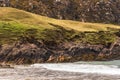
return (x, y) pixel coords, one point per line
(33, 73)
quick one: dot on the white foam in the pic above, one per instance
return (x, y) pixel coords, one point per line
(83, 68)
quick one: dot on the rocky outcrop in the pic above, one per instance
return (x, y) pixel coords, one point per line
(24, 53)
(105, 11)
(38, 52)
(6, 66)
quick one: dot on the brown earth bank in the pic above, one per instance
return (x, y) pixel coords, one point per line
(35, 51)
(105, 11)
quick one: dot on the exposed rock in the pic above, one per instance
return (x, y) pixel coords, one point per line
(24, 53)
(27, 53)
(5, 66)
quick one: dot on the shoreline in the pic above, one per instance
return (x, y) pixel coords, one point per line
(30, 53)
(32, 73)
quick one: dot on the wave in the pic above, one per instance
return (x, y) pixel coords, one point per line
(82, 68)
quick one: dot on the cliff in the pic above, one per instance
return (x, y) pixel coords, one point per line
(27, 38)
(32, 51)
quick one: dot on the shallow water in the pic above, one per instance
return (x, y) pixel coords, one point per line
(99, 67)
(64, 71)
(115, 62)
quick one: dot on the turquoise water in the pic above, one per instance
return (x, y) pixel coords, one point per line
(115, 62)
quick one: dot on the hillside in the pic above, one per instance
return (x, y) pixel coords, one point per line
(29, 38)
(14, 22)
(103, 11)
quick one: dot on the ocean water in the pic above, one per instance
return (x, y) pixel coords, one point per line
(98, 67)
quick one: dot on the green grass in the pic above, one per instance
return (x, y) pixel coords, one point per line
(12, 14)
(15, 23)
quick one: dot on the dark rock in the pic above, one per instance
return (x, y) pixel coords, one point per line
(5, 66)
(28, 53)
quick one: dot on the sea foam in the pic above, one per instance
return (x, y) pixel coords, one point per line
(82, 68)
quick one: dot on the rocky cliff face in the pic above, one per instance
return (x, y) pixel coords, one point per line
(38, 52)
(105, 11)
(65, 48)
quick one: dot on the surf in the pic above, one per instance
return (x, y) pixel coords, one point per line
(105, 68)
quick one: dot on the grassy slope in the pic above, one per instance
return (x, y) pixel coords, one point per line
(14, 23)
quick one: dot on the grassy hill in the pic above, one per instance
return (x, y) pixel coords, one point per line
(15, 23)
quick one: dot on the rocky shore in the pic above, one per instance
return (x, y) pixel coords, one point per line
(33, 51)
(36, 39)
